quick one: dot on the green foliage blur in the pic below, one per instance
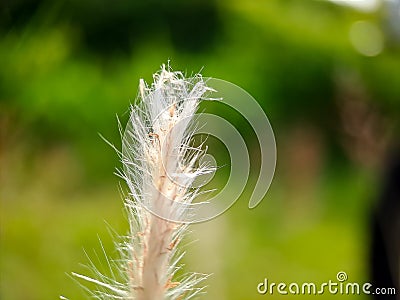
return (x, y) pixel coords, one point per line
(67, 68)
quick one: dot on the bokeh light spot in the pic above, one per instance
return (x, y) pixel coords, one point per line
(366, 38)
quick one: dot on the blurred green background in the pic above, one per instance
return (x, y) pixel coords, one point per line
(327, 75)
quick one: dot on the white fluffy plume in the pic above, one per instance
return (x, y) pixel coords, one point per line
(160, 165)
